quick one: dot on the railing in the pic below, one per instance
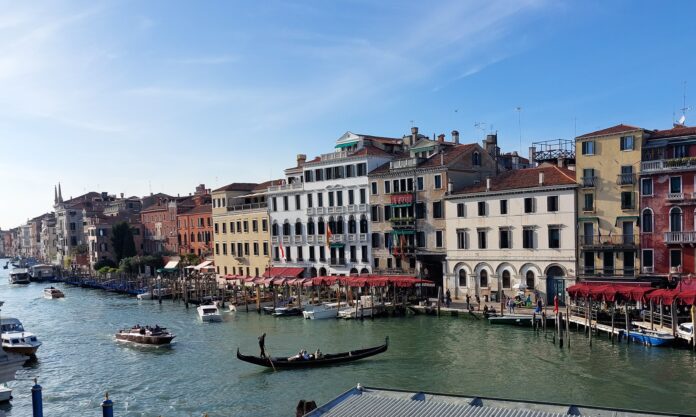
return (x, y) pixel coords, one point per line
(600, 271)
(285, 187)
(335, 210)
(352, 238)
(609, 240)
(588, 182)
(337, 261)
(297, 239)
(310, 239)
(626, 179)
(250, 206)
(337, 238)
(334, 155)
(403, 222)
(680, 237)
(675, 196)
(286, 239)
(675, 164)
(363, 237)
(356, 208)
(321, 239)
(274, 240)
(648, 269)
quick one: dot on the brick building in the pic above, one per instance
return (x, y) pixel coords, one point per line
(195, 234)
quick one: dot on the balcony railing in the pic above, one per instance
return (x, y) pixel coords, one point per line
(648, 269)
(335, 210)
(298, 239)
(609, 240)
(363, 237)
(321, 239)
(337, 261)
(286, 240)
(675, 196)
(251, 206)
(274, 240)
(626, 179)
(403, 222)
(286, 187)
(356, 208)
(606, 272)
(680, 237)
(311, 239)
(675, 164)
(337, 238)
(334, 155)
(588, 182)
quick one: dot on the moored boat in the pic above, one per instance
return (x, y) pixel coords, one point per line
(519, 319)
(19, 276)
(287, 311)
(651, 337)
(40, 272)
(323, 311)
(17, 340)
(155, 294)
(209, 313)
(146, 335)
(52, 292)
(298, 362)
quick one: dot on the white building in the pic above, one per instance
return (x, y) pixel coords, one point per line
(512, 231)
(327, 197)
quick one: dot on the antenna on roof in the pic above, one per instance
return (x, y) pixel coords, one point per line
(684, 108)
(481, 126)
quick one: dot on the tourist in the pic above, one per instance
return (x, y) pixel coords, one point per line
(478, 302)
(511, 305)
(468, 301)
(448, 298)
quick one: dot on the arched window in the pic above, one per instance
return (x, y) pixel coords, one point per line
(530, 280)
(322, 272)
(332, 224)
(363, 224)
(675, 220)
(364, 271)
(506, 279)
(192, 238)
(200, 238)
(351, 225)
(274, 229)
(647, 221)
(462, 278)
(484, 278)
(286, 228)
(298, 227)
(339, 225)
(320, 226)
(310, 228)
(476, 159)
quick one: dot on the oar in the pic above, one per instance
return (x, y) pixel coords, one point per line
(269, 358)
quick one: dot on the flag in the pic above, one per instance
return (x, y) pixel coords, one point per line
(328, 235)
(282, 252)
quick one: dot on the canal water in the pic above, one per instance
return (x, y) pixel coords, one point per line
(80, 360)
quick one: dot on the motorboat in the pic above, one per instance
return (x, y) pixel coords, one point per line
(209, 313)
(19, 276)
(364, 308)
(323, 311)
(686, 331)
(5, 393)
(651, 337)
(287, 311)
(520, 319)
(52, 292)
(40, 272)
(155, 294)
(312, 361)
(17, 340)
(146, 335)
(9, 364)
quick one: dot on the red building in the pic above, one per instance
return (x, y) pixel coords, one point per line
(195, 225)
(159, 223)
(668, 203)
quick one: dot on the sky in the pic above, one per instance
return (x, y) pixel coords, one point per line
(136, 97)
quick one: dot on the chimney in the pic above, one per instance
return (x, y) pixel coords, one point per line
(450, 186)
(455, 137)
(561, 162)
(441, 137)
(541, 177)
(301, 159)
(532, 154)
(491, 145)
(413, 137)
(488, 184)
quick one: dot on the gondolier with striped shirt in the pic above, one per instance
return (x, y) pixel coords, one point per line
(262, 345)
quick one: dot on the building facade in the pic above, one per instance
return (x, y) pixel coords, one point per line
(159, 224)
(48, 239)
(668, 203)
(608, 165)
(514, 231)
(407, 201)
(320, 219)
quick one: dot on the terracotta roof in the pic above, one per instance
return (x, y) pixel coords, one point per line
(371, 151)
(524, 178)
(610, 131)
(264, 185)
(381, 139)
(238, 186)
(674, 132)
(201, 209)
(451, 153)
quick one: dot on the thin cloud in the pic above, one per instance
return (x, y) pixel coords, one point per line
(206, 60)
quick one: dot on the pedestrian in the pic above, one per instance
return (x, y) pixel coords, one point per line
(448, 298)
(478, 302)
(540, 305)
(468, 301)
(511, 305)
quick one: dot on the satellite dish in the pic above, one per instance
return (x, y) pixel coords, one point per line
(682, 119)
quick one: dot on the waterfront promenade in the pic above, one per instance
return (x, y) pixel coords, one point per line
(79, 361)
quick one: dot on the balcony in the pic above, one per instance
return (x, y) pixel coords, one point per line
(311, 239)
(626, 179)
(609, 241)
(337, 238)
(606, 272)
(666, 165)
(337, 261)
(286, 240)
(588, 182)
(403, 222)
(334, 155)
(675, 196)
(286, 187)
(362, 237)
(253, 206)
(356, 208)
(352, 238)
(680, 238)
(274, 240)
(298, 239)
(335, 210)
(321, 239)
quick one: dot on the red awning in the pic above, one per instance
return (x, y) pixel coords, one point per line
(611, 292)
(284, 272)
(279, 281)
(687, 297)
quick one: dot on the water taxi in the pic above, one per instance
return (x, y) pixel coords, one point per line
(651, 337)
(209, 313)
(145, 335)
(19, 276)
(52, 292)
(17, 340)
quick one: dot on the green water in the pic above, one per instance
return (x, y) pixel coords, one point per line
(80, 360)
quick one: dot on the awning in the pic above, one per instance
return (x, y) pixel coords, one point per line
(403, 232)
(588, 219)
(613, 291)
(337, 245)
(171, 265)
(626, 219)
(285, 272)
(202, 265)
(401, 205)
(279, 281)
(346, 145)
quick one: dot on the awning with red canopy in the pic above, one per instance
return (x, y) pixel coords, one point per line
(285, 272)
(611, 292)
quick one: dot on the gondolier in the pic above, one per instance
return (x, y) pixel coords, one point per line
(262, 345)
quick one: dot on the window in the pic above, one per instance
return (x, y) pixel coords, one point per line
(503, 207)
(627, 200)
(647, 221)
(505, 241)
(375, 213)
(420, 210)
(589, 202)
(320, 200)
(254, 225)
(588, 177)
(647, 258)
(552, 203)
(626, 143)
(363, 196)
(308, 176)
(437, 210)
(462, 278)
(311, 253)
(246, 226)
(297, 202)
(528, 237)
(646, 186)
(481, 208)
(462, 239)
(529, 279)
(675, 185)
(351, 197)
(353, 254)
(309, 200)
(275, 204)
(217, 248)
(529, 205)
(438, 238)
(331, 199)
(387, 212)
(476, 159)
(265, 248)
(375, 240)
(482, 239)
(588, 148)
(322, 254)
(318, 174)
(373, 186)
(675, 219)
(396, 186)
(350, 171)
(216, 228)
(484, 279)
(387, 187)
(629, 263)
(554, 237)
(339, 198)
(419, 183)
(256, 248)
(675, 259)
(506, 279)
(328, 173)
(438, 181)
(264, 225)
(420, 239)
(224, 248)
(286, 204)
(460, 209)
(589, 263)
(300, 257)
(362, 169)
(680, 151)
(224, 228)
(363, 254)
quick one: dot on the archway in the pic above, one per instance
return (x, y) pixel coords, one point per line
(353, 271)
(555, 284)
(312, 272)
(322, 272)
(364, 271)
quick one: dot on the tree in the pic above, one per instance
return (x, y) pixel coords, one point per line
(122, 241)
(104, 263)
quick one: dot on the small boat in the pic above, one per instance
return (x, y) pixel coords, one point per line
(209, 312)
(52, 292)
(322, 311)
(19, 276)
(5, 393)
(519, 319)
(686, 331)
(17, 340)
(155, 294)
(287, 311)
(295, 362)
(651, 337)
(145, 335)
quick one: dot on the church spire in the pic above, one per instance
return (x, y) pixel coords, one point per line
(55, 195)
(60, 194)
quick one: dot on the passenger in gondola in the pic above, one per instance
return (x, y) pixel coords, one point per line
(317, 354)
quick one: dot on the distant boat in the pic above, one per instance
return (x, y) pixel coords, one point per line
(19, 276)
(294, 362)
(145, 335)
(651, 337)
(209, 313)
(52, 292)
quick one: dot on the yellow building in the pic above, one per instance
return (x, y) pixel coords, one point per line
(607, 168)
(241, 229)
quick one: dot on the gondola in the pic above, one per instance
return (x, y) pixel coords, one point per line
(326, 359)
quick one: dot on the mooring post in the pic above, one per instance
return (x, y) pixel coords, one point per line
(107, 407)
(36, 401)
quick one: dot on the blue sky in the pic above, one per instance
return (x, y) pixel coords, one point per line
(131, 96)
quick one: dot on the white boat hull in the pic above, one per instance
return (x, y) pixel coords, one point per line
(211, 318)
(5, 394)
